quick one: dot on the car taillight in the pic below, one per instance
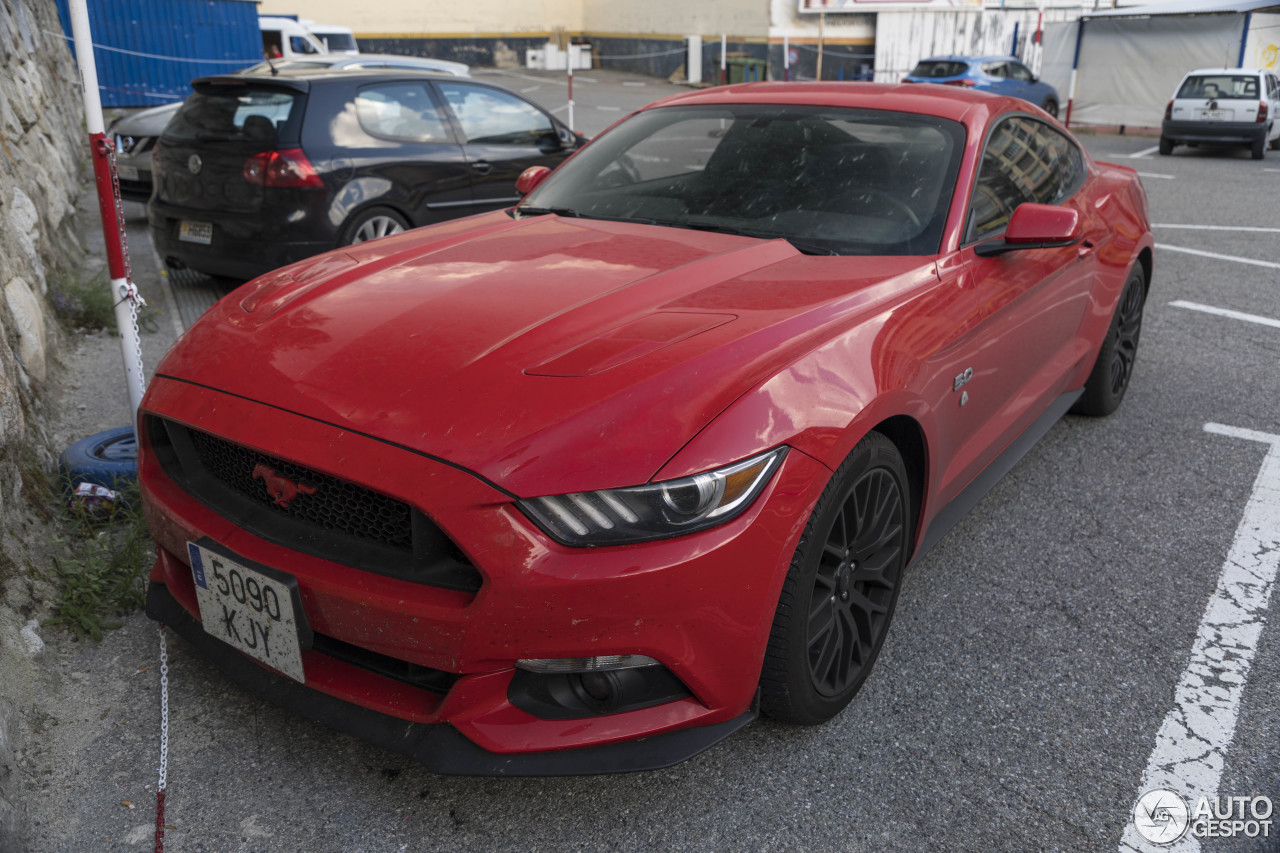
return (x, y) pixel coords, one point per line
(1168, 111)
(966, 82)
(288, 168)
(1262, 111)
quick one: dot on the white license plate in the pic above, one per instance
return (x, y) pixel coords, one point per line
(196, 232)
(127, 173)
(1215, 115)
(247, 609)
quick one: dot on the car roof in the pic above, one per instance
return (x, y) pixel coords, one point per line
(1228, 71)
(959, 58)
(944, 101)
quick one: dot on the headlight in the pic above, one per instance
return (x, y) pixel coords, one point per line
(655, 510)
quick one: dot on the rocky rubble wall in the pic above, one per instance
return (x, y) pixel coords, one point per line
(43, 164)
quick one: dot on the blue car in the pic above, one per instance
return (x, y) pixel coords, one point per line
(1003, 75)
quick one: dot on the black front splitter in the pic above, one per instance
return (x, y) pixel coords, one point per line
(440, 747)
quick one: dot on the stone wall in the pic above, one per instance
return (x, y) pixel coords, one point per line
(43, 165)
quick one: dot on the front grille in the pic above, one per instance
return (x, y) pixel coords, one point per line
(333, 504)
(309, 511)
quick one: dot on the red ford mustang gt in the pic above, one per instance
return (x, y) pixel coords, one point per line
(585, 485)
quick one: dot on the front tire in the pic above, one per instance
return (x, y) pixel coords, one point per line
(1051, 107)
(1111, 373)
(841, 589)
(372, 223)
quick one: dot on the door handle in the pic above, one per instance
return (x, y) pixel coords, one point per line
(484, 167)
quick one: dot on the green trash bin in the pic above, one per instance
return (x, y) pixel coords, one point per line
(745, 69)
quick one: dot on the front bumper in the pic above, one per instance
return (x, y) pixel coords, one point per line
(702, 604)
(441, 748)
(1214, 132)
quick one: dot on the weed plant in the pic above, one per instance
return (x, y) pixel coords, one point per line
(87, 303)
(101, 576)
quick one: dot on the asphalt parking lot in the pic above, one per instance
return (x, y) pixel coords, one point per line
(1044, 669)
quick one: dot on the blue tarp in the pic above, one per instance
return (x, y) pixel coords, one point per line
(148, 51)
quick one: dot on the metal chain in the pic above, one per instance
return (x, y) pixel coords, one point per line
(129, 290)
(164, 742)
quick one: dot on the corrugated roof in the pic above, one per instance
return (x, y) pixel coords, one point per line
(1185, 7)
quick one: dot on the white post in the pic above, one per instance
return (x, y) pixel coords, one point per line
(724, 62)
(123, 292)
(786, 58)
(693, 59)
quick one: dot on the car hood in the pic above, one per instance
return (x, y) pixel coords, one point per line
(149, 122)
(545, 354)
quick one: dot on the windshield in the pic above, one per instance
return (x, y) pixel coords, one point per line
(829, 180)
(1210, 86)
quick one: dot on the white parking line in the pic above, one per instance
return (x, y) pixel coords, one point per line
(610, 109)
(527, 89)
(1226, 312)
(1192, 743)
(1268, 264)
(633, 83)
(1219, 228)
(1157, 175)
(1145, 152)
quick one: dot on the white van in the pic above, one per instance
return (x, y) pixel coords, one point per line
(285, 38)
(335, 38)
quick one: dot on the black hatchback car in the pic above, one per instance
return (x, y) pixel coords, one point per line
(253, 173)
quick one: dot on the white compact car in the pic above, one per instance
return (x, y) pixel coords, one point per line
(1224, 106)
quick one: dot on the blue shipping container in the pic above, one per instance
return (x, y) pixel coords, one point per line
(148, 51)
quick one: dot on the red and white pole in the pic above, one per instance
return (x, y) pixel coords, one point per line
(125, 295)
(569, 63)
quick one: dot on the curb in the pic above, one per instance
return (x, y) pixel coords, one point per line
(12, 822)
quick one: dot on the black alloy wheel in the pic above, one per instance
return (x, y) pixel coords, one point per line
(1051, 107)
(1111, 373)
(840, 591)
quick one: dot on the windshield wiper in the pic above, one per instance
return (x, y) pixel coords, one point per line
(543, 211)
(808, 247)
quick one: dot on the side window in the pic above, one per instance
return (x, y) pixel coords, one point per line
(996, 69)
(495, 117)
(1019, 72)
(402, 111)
(1025, 160)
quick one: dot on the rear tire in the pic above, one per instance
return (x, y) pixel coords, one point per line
(1166, 146)
(1274, 144)
(1111, 373)
(841, 589)
(372, 223)
(1259, 149)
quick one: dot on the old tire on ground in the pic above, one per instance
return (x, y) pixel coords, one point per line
(1112, 371)
(840, 591)
(109, 458)
(371, 223)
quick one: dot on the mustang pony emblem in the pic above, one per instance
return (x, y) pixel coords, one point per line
(281, 490)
